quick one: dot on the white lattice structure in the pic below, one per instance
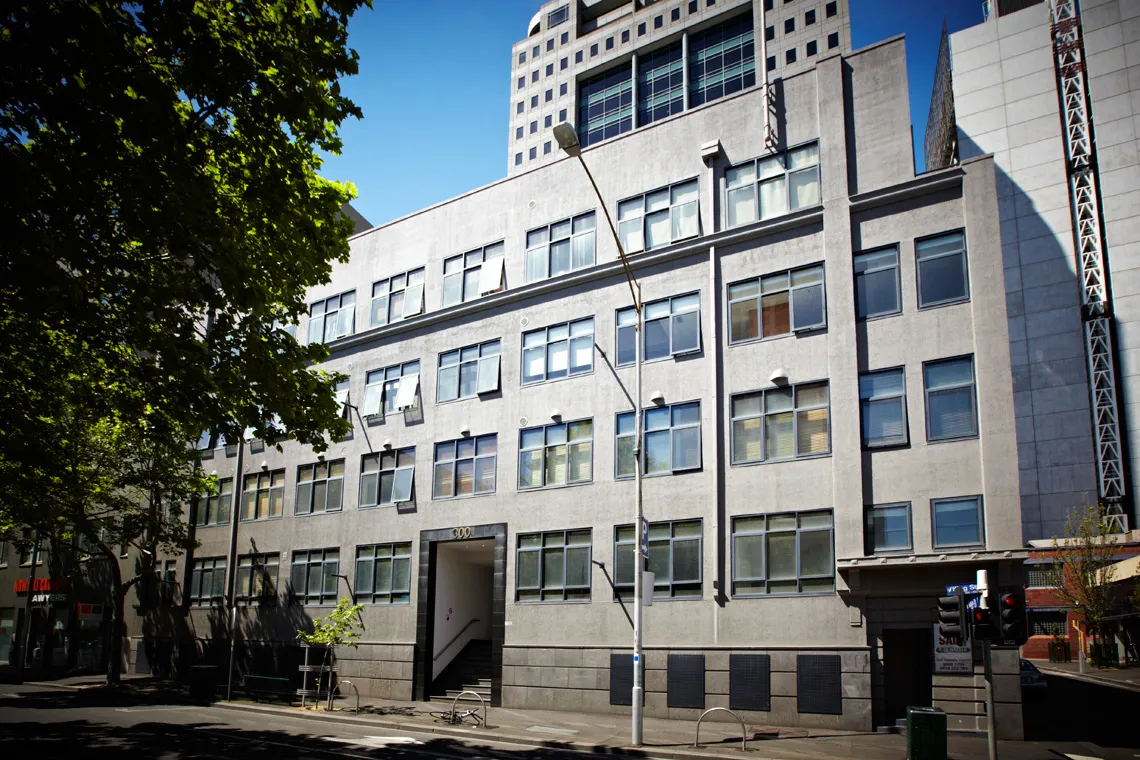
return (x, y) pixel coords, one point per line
(1068, 52)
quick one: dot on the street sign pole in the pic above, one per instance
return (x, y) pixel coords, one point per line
(991, 720)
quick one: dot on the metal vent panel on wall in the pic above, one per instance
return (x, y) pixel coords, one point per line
(750, 682)
(819, 684)
(621, 679)
(686, 681)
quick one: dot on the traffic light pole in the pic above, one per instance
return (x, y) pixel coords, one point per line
(991, 728)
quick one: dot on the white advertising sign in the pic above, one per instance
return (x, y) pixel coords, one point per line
(950, 656)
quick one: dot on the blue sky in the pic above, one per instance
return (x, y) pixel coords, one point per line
(434, 86)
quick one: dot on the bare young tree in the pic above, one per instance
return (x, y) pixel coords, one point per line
(1081, 575)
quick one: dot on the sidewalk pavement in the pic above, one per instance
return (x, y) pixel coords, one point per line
(1121, 678)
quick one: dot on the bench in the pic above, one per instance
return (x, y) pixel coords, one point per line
(270, 686)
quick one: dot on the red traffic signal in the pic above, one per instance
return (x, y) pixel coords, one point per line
(1011, 605)
(981, 624)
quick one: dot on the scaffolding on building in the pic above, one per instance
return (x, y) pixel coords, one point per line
(940, 144)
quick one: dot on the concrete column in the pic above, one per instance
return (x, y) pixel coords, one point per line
(633, 83)
(685, 66)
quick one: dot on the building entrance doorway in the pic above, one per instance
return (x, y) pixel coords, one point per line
(459, 632)
(908, 671)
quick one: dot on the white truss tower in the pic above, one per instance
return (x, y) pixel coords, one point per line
(1096, 311)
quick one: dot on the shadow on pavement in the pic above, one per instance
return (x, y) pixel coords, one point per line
(1071, 710)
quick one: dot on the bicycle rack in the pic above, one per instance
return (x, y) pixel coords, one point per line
(350, 683)
(743, 730)
(475, 694)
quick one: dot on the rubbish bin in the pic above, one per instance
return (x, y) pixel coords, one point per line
(925, 733)
(203, 682)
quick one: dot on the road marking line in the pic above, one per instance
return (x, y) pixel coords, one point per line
(377, 742)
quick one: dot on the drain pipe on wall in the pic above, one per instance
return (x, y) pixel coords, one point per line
(235, 503)
(709, 153)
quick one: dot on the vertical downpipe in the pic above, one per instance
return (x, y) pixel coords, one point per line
(685, 68)
(235, 503)
(717, 414)
(633, 90)
(762, 65)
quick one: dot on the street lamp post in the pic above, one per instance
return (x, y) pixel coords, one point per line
(567, 139)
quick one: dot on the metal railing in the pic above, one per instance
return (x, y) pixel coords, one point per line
(481, 702)
(455, 638)
(743, 730)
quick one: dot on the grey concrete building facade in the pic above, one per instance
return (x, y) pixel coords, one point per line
(830, 426)
(1009, 102)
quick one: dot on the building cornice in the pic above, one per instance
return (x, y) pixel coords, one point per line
(936, 558)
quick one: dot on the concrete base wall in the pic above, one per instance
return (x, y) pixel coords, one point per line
(381, 671)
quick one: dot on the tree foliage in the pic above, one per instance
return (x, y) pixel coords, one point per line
(1081, 575)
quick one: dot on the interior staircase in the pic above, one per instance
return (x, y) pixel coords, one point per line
(470, 671)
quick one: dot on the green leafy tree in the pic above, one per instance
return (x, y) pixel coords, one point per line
(163, 220)
(337, 629)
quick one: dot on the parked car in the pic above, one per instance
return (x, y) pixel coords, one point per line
(1031, 678)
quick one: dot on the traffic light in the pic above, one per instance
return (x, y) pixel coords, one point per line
(1012, 616)
(952, 622)
(981, 624)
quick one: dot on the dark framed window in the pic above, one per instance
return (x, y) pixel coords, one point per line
(811, 48)
(672, 328)
(1039, 574)
(625, 36)
(518, 159)
(465, 467)
(564, 63)
(951, 402)
(772, 186)
(387, 477)
(383, 573)
(790, 55)
(549, 96)
(777, 304)
(578, 56)
(257, 578)
(533, 153)
(518, 133)
(550, 69)
(392, 389)
(789, 553)
(692, 6)
(557, 16)
(593, 50)
(789, 422)
(809, 18)
(660, 84)
(877, 285)
(556, 455)
(942, 270)
(605, 105)
(519, 107)
(522, 57)
(561, 115)
(558, 351)
(882, 406)
(522, 82)
(214, 508)
(658, 22)
(661, 217)
(468, 372)
(958, 522)
(534, 101)
(263, 495)
(562, 247)
(553, 566)
(397, 298)
(722, 60)
(546, 145)
(675, 559)
(332, 318)
(831, 9)
(319, 487)
(789, 25)
(534, 76)
(565, 38)
(609, 43)
(672, 440)
(770, 64)
(769, 33)
(675, 14)
(208, 581)
(641, 29)
(464, 278)
(313, 576)
(833, 40)
(1048, 622)
(889, 528)
(535, 51)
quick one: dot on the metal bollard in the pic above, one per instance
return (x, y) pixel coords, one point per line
(743, 730)
(484, 704)
(350, 683)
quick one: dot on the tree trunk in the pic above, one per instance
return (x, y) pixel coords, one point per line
(119, 593)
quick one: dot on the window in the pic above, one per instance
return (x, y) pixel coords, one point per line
(476, 273)
(263, 495)
(546, 145)
(563, 65)
(672, 327)
(553, 567)
(672, 440)
(578, 57)
(777, 304)
(562, 116)
(3, 553)
(535, 51)
(877, 283)
(550, 44)
(392, 389)
(625, 36)
(722, 60)
(519, 107)
(768, 4)
(559, 351)
(888, 528)
(658, 22)
(214, 508)
(383, 573)
(27, 537)
(522, 57)
(593, 50)
(790, 55)
(692, 6)
(208, 581)
(675, 14)
(1048, 622)
(560, 247)
(605, 105)
(882, 405)
(1039, 575)
(781, 423)
(565, 38)
(556, 455)
(957, 522)
(769, 33)
(659, 218)
(561, 91)
(468, 372)
(319, 487)
(398, 297)
(833, 40)
(787, 553)
(169, 582)
(674, 559)
(522, 82)
(549, 95)
(387, 477)
(831, 9)
(609, 43)
(660, 84)
(518, 159)
(772, 186)
(332, 318)
(313, 576)
(770, 63)
(518, 133)
(557, 16)
(941, 264)
(533, 127)
(534, 76)
(789, 25)
(641, 29)
(534, 101)
(809, 18)
(811, 48)
(465, 467)
(257, 578)
(951, 408)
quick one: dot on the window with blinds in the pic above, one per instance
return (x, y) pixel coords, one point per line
(958, 522)
(672, 327)
(877, 290)
(319, 487)
(951, 403)
(777, 304)
(553, 566)
(788, 553)
(674, 559)
(942, 275)
(263, 495)
(465, 467)
(781, 423)
(672, 440)
(383, 573)
(313, 576)
(556, 455)
(882, 401)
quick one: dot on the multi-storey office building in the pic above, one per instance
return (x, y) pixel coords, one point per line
(829, 427)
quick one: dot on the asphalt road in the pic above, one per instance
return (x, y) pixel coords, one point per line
(39, 723)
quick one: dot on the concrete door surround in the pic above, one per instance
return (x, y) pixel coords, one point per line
(425, 603)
